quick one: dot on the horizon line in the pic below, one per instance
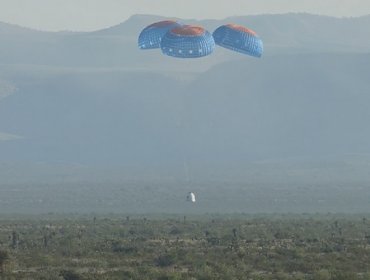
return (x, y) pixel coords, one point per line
(16, 25)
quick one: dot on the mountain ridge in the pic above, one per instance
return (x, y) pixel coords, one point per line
(147, 18)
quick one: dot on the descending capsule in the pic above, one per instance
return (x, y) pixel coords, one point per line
(151, 36)
(190, 197)
(187, 41)
(238, 38)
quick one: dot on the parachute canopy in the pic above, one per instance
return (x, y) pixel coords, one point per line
(190, 197)
(151, 36)
(187, 41)
(238, 38)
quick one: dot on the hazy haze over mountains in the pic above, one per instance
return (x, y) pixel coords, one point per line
(94, 97)
(93, 100)
(91, 15)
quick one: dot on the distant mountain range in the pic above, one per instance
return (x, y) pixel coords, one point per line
(93, 98)
(117, 46)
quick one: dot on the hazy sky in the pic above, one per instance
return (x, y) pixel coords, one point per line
(96, 14)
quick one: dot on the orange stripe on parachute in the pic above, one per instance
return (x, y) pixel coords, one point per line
(188, 30)
(242, 29)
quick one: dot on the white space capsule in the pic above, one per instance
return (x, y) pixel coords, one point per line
(190, 197)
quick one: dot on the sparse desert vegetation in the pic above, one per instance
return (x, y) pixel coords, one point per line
(321, 246)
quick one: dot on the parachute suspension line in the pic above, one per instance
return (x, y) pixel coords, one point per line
(186, 170)
(184, 132)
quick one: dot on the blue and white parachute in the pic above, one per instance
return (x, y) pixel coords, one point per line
(238, 38)
(151, 36)
(190, 41)
(187, 41)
